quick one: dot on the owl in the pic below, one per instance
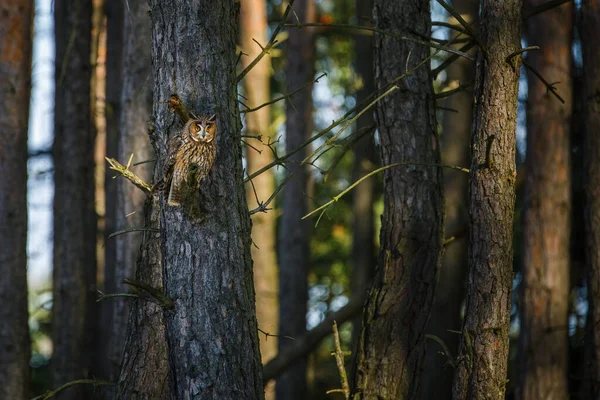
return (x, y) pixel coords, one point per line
(194, 147)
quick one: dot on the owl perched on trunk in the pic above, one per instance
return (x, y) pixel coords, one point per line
(191, 154)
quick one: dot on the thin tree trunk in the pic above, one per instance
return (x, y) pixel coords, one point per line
(15, 86)
(483, 352)
(590, 34)
(543, 341)
(253, 23)
(294, 236)
(363, 230)
(211, 330)
(449, 293)
(392, 343)
(74, 274)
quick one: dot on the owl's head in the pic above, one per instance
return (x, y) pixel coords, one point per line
(203, 129)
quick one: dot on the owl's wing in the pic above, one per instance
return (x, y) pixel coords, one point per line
(174, 144)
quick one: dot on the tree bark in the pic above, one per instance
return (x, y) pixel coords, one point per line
(543, 341)
(450, 292)
(392, 343)
(590, 33)
(211, 330)
(253, 23)
(146, 343)
(363, 229)
(294, 235)
(15, 83)
(483, 353)
(74, 274)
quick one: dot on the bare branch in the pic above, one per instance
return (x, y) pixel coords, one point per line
(530, 12)
(339, 360)
(549, 86)
(134, 229)
(94, 382)
(129, 175)
(464, 24)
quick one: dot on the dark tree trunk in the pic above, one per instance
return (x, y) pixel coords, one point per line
(15, 83)
(363, 230)
(590, 34)
(294, 235)
(392, 343)
(253, 26)
(74, 275)
(147, 346)
(211, 330)
(543, 341)
(449, 293)
(483, 352)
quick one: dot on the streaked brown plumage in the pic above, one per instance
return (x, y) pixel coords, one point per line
(194, 146)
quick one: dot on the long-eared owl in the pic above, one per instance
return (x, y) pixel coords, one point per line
(194, 147)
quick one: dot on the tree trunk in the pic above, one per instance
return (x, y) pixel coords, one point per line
(147, 346)
(253, 23)
(15, 84)
(449, 293)
(74, 274)
(294, 236)
(543, 342)
(392, 343)
(363, 230)
(211, 330)
(483, 352)
(590, 33)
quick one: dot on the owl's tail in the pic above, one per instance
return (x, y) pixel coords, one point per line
(175, 193)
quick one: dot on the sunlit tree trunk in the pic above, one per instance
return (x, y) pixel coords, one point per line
(449, 293)
(483, 353)
(211, 330)
(253, 23)
(294, 236)
(16, 32)
(74, 274)
(392, 343)
(590, 34)
(543, 341)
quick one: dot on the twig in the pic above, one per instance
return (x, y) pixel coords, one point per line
(349, 143)
(465, 25)
(269, 45)
(104, 296)
(387, 33)
(521, 51)
(285, 96)
(94, 382)
(134, 229)
(378, 170)
(549, 86)
(268, 335)
(445, 348)
(450, 92)
(130, 176)
(530, 12)
(339, 360)
(435, 72)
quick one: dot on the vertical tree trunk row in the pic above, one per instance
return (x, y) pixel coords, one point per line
(74, 273)
(543, 340)
(483, 353)
(392, 343)
(16, 31)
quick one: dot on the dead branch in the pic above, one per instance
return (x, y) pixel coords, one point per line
(94, 382)
(339, 360)
(129, 175)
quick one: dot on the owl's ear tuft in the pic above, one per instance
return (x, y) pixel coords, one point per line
(212, 118)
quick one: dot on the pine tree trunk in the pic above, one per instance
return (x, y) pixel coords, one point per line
(74, 274)
(590, 34)
(392, 344)
(15, 83)
(253, 24)
(211, 330)
(543, 341)
(294, 234)
(483, 352)
(450, 292)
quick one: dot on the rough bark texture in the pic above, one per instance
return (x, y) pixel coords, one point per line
(253, 23)
(483, 353)
(543, 341)
(449, 293)
(15, 82)
(211, 331)
(590, 34)
(363, 230)
(392, 343)
(74, 274)
(294, 235)
(145, 369)
(134, 104)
